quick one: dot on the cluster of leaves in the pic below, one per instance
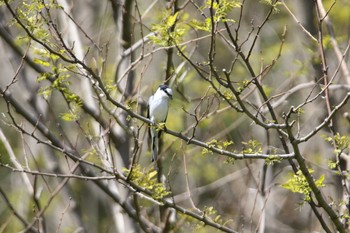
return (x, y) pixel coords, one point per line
(345, 215)
(243, 85)
(340, 143)
(147, 180)
(298, 184)
(209, 211)
(110, 86)
(272, 159)
(32, 16)
(29, 14)
(159, 126)
(169, 32)
(252, 147)
(220, 14)
(173, 27)
(212, 214)
(218, 144)
(273, 4)
(58, 74)
(228, 95)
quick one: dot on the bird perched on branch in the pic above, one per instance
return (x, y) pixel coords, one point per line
(158, 106)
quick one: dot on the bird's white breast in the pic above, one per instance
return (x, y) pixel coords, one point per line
(158, 108)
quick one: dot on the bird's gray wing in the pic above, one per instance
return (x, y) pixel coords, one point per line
(149, 117)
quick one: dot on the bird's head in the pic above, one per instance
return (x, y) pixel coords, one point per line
(167, 90)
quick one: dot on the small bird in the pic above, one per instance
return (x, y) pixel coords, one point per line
(158, 106)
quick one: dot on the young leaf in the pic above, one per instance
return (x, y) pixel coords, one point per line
(172, 19)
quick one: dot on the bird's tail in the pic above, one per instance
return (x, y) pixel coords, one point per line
(154, 148)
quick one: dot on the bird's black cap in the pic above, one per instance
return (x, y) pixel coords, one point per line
(164, 88)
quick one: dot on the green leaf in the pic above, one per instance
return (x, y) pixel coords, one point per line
(227, 144)
(206, 151)
(273, 5)
(147, 180)
(272, 159)
(228, 95)
(43, 76)
(332, 164)
(252, 147)
(203, 26)
(45, 92)
(298, 184)
(212, 143)
(340, 142)
(171, 20)
(230, 160)
(319, 182)
(166, 32)
(70, 116)
(152, 174)
(41, 62)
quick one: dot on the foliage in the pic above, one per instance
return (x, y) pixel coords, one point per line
(147, 180)
(218, 144)
(273, 4)
(298, 184)
(272, 159)
(252, 147)
(220, 14)
(75, 83)
(341, 143)
(170, 30)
